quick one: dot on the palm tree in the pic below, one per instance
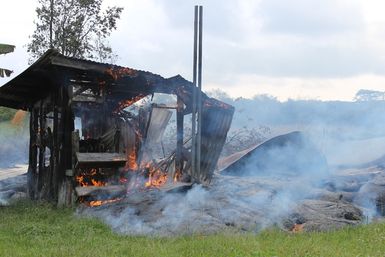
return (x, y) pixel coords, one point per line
(4, 49)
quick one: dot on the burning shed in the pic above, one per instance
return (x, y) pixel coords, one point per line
(84, 138)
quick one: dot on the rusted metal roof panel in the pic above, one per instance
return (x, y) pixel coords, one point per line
(216, 122)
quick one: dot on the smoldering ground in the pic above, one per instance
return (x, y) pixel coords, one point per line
(324, 178)
(294, 185)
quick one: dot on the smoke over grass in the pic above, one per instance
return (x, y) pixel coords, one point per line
(14, 140)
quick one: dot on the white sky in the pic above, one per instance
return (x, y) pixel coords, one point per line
(306, 49)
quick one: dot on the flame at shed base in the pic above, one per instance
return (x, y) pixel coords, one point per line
(297, 228)
(87, 178)
(156, 179)
(98, 203)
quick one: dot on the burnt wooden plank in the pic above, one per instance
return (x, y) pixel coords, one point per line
(100, 160)
(103, 190)
(88, 98)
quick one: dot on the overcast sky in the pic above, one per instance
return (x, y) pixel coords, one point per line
(299, 49)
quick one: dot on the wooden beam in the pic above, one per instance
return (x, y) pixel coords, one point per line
(82, 98)
(102, 190)
(32, 168)
(100, 160)
(41, 137)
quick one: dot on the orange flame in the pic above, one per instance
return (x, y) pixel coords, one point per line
(297, 228)
(82, 181)
(156, 179)
(131, 161)
(101, 202)
(125, 103)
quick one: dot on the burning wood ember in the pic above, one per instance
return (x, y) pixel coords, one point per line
(119, 72)
(297, 228)
(131, 162)
(87, 178)
(101, 202)
(126, 103)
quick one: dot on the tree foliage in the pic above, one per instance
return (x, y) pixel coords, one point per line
(76, 28)
(6, 114)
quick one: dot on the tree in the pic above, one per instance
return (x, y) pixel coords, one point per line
(76, 28)
(5, 49)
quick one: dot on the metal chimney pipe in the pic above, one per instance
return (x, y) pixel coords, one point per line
(197, 96)
(194, 105)
(199, 100)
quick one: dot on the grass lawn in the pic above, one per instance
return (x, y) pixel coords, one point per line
(28, 229)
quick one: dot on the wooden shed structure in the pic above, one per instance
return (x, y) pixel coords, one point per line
(63, 93)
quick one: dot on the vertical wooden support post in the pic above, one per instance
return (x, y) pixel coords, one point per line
(179, 137)
(41, 135)
(32, 168)
(66, 128)
(55, 149)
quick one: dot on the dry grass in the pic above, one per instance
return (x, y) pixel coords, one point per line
(41, 230)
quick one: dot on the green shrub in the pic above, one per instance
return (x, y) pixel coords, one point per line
(6, 114)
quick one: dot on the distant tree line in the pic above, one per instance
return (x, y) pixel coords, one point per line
(369, 95)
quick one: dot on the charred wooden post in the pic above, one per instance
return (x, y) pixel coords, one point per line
(179, 137)
(65, 184)
(41, 134)
(55, 148)
(33, 151)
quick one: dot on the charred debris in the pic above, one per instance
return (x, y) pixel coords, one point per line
(90, 140)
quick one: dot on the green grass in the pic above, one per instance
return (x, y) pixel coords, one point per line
(30, 229)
